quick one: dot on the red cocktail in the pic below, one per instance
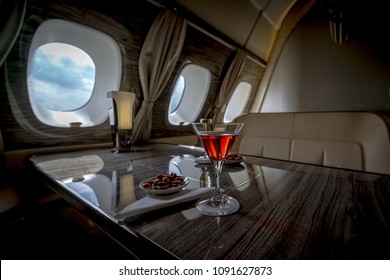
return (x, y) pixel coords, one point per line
(218, 144)
(217, 141)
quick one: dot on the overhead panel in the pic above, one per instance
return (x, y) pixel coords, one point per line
(276, 11)
(261, 39)
(231, 17)
(252, 24)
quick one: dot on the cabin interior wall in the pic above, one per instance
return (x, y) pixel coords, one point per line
(314, 73)
(199, 49)
(20, 127)
(128, 27)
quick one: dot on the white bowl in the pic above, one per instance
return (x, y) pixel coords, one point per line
(164, 190)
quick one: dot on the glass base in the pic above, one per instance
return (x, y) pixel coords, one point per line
(226, 206)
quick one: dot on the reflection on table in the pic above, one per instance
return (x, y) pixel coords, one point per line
(288, 210)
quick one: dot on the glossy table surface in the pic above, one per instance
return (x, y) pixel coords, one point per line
(288, 210)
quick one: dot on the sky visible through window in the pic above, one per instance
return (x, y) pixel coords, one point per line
(177, 94)
(62, 77)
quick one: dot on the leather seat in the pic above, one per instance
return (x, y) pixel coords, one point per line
(353, 140)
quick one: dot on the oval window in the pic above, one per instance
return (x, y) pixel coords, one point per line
(237, 101)
(189, 94)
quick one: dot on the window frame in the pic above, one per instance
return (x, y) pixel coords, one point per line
(193, 97)
(232, 108)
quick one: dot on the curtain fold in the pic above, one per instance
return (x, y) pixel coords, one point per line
(12, 13)
(229, 83)
(158, 58)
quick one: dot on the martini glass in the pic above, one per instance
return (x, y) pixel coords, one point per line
(217, 141)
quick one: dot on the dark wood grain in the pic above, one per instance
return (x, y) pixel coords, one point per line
(288, 210)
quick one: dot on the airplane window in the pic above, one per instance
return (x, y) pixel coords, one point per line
(189, 94)
(70, 69)
(62, 77)
(238, 101)
(177, 94)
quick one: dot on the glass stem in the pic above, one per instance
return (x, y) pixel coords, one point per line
(217, 169)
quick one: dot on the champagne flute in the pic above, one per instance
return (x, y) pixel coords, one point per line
(217, 140)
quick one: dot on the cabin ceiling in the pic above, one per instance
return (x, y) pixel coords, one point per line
(252, 24)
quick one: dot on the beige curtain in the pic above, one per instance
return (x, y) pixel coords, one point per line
(159, 55)
(12, 14)
(229, 83)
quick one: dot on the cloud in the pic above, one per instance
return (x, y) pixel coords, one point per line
(59, 82)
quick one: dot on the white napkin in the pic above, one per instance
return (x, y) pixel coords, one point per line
(154, 202)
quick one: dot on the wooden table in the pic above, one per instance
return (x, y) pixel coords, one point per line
(288, 210)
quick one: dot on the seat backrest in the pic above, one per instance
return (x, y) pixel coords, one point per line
(354, 140)
(266, 135)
